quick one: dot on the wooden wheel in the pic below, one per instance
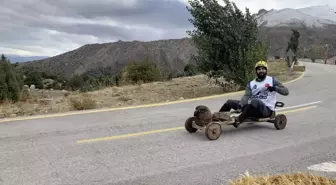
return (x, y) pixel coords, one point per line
(280, 121)
(213, 131)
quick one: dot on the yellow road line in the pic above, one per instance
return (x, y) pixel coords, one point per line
(168, 129)
(296, 110)
(130, 135)
(127, 108)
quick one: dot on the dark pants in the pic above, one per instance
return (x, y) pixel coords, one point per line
(256, 109)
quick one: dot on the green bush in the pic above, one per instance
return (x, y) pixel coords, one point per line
(11, 81)
(35, 78)
(56, 85)
(190, 70)
(144, 71)
(76, 82)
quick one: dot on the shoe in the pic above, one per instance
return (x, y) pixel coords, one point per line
(236, 123)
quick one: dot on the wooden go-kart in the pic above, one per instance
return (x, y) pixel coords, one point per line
(211, 122)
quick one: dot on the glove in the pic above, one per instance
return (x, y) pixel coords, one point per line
(270, 88)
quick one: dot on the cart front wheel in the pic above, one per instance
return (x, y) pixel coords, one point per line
(213, 131)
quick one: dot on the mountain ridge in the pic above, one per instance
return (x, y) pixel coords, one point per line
(18, 58)
(172, 55)
(312, 16)
(169, 54)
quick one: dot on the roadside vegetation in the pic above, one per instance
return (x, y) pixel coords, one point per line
(284, 179)
(137, 89)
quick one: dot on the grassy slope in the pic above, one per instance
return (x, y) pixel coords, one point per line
(46, 101)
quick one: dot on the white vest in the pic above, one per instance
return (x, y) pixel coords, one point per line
(259, 91)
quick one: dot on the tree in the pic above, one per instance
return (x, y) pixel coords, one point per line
(316, 52)
(10, 81)
(293, 43)
(226, 39)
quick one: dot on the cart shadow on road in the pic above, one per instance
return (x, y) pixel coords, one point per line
(229, 130)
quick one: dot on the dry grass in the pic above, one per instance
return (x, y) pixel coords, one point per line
(279, 69)
(284, 179)
(46, 101)
(83, 102)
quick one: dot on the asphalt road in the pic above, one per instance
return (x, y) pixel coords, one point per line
(50, 151)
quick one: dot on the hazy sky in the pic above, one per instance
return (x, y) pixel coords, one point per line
(51, 27)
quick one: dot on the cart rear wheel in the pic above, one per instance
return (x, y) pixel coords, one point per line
(188, 125)
(280, 121)
(213, 131)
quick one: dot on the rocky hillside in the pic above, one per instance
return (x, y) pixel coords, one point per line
(170, 55)
(315, 24)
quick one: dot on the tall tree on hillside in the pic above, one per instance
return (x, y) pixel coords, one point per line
(293, 43)
(227, 40)
(10, 81)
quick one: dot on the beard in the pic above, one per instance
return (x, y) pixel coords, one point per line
(261, 75)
